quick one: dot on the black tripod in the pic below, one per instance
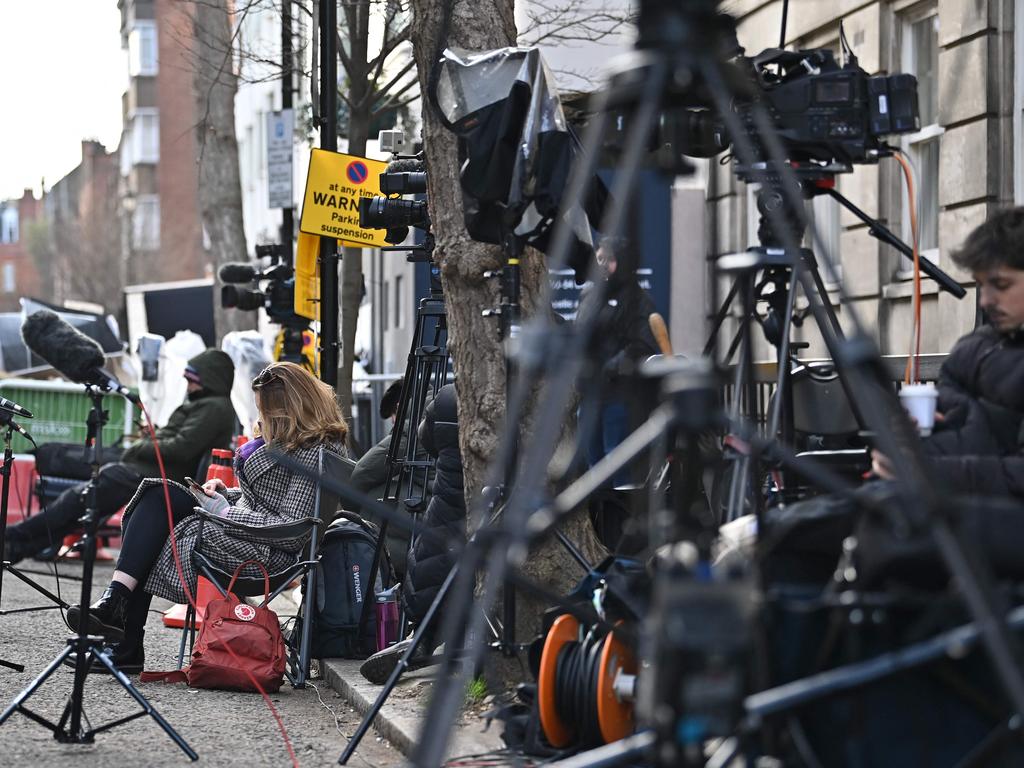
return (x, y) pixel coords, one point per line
(5, 492)
(777, 287)
(408, 472)
(88, 648)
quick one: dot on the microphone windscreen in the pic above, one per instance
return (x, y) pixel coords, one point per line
(237, 272)
(68, 350)
(406, 165)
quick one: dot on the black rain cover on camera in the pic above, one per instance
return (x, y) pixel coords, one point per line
(516, 148)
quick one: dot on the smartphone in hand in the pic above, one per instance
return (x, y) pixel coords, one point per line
(193, 483)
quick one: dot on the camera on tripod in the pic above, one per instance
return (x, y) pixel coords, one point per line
(824, 113)
(405, 175)
(242, 291)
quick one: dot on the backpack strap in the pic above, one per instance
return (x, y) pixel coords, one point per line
(175, 676)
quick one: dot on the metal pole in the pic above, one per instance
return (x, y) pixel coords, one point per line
(328, 245)
(287, 214)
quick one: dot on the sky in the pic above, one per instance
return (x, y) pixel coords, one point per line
(63, 76)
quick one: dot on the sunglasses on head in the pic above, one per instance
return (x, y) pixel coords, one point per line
(264, 377)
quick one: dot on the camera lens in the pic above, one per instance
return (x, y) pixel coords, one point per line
(384, 213)
(403, 183)
(231, 296)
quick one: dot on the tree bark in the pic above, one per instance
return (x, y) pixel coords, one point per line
(220, 190)
(476, 351)
(357, 16)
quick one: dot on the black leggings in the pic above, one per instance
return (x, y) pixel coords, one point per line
(146, 533)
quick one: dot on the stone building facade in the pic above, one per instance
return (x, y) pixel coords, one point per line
(966, 155)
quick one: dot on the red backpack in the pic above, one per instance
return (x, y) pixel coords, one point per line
(253, 635)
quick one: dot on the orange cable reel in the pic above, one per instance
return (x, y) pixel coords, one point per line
(616, 678)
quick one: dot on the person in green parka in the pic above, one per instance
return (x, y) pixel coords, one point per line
(206, 420)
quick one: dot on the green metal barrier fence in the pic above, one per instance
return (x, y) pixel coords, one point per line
(60, 409)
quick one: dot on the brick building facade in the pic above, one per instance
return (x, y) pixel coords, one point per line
(18, 273)
(78, 261)
(162, 235)
(967, 152)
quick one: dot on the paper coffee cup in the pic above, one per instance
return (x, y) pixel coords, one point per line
(919, 400)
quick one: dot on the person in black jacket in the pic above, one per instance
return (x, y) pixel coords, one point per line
(622, 340)
(204, 421)
(370, 476)
(977, 446)
(430, 561)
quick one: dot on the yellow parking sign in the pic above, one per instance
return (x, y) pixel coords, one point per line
(307, 277)
(334, 186)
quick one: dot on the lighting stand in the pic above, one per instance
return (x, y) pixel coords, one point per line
(88, 648)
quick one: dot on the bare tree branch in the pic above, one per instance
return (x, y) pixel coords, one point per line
(559, 21)
(391, 99)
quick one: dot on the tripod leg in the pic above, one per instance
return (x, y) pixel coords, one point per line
(12, 665)
(31, 688)
(102, 657)
(402, 665)
(58, 603)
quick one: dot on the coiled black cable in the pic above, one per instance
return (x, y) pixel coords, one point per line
(577, 670)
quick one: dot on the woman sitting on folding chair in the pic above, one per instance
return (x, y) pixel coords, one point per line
(298, 415)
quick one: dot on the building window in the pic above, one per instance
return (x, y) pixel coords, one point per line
(9, 225)
(399, 302)
(9, 281)
(919, 49)
(384, 306)
(145, 136)
(146, 223)
(142, 49)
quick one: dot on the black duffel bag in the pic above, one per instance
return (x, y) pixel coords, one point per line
(70, 460)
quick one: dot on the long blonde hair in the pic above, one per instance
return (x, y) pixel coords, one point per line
(297, 409)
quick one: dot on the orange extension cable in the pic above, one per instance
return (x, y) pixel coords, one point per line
(912, 372)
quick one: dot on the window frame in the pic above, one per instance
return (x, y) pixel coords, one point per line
(140, 153)
(137, 65)
(911, 143)
(139, 241)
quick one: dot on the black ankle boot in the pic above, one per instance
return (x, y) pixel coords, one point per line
(378, 668)
(106, 615)
(128, 657)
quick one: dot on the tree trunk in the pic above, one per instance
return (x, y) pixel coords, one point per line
(476, 351)
(220, 190)
(351, 278)
(357, 25)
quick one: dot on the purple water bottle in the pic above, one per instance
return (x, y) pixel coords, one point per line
(387, 617)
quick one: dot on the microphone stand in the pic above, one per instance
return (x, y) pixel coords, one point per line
(87, 648)
(5, 492)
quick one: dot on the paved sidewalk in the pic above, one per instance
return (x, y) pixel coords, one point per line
(401, 718)
(225, 728)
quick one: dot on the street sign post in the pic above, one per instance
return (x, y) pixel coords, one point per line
(280, 147)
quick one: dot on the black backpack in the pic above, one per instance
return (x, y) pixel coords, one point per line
(346, 553)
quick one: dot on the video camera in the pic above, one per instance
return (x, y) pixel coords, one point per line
(825, 114)
(278, 297)
(404, 176)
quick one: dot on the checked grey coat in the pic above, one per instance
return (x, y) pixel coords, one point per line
(268, 494)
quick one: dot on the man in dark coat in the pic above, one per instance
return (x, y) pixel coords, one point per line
(977, 446)
(204, 421)
(430, 561)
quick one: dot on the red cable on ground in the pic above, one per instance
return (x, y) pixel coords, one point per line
(188, 593)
